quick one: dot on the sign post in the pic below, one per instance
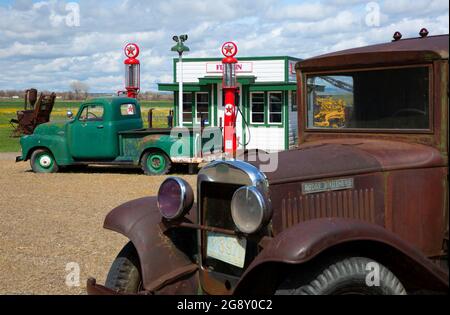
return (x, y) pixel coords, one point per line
(229, 84)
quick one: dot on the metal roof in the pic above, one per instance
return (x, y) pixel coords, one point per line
(406, 51)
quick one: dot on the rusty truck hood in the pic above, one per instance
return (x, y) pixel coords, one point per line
(333, 158)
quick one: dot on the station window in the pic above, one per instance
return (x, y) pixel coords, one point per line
(187, 107)
(202, 104)
(275, 107)
(195, 105)
(257, 108)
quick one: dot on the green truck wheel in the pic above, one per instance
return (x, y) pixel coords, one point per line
(42, 161)
(155, 163)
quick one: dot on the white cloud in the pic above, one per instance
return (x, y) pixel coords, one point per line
(305, 11)
(38, 49)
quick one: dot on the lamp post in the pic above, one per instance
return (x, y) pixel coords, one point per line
(180, 48)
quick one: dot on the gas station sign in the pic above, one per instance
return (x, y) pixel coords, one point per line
(229, 49)
(132, 50)
(241, 67)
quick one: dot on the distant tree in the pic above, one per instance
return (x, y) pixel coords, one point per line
(80, 89)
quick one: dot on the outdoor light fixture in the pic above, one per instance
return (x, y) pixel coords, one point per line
(180, 48)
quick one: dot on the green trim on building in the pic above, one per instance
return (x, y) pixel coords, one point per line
(244, 109)
(286, 65)
(218, 79)
(216, 103)
(286, 70)
(286, 120)
(187, 87)
(273, 86)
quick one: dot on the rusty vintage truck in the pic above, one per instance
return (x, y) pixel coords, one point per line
(360, 207)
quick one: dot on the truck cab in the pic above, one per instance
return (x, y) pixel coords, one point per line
(110, 131)
(93, 134)
(359, 207)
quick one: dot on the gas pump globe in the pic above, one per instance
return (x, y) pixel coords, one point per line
(229, 85)
(132, 70)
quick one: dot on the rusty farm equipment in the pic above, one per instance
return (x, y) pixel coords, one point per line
(36, 111)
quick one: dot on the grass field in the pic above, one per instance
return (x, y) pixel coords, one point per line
(8, 109)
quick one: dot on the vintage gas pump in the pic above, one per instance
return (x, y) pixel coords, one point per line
(132, 70)
(229, 84)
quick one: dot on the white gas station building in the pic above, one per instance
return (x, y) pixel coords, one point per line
(267, 100)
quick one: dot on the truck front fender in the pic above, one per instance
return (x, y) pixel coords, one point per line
(164, 255)
(308, 240)
(56, 144)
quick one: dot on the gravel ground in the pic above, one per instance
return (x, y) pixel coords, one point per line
(50, 220)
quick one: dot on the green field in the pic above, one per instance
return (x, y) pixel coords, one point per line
(8, 109)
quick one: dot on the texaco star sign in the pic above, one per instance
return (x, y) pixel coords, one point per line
(229, 49)
(229, 109)
(132, 50)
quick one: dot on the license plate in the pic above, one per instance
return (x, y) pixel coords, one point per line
(226, 248)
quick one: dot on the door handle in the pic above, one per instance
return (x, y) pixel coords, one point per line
(100, 127)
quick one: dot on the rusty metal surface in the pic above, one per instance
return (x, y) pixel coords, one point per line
(306, 240)
(28, 120)
(417, 199)
(93, 288)
(408, 51)
(336, 157)
(356, 204)
(171, 277)
(139, 220)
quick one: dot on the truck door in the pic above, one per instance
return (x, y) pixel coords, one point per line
(89, 135)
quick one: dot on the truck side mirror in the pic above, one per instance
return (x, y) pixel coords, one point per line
(69, 114)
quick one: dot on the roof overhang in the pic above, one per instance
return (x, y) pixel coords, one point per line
(245, 80)
(187, 87)
(274, 86)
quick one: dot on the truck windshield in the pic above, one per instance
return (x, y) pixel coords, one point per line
(376, 99)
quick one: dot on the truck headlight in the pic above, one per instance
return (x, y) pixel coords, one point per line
(175, 198)
(250, 209)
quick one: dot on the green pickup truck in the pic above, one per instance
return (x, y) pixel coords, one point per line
(110, 131)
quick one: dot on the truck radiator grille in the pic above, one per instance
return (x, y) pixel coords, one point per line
(352, 204)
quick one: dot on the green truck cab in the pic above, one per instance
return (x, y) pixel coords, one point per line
(109, 131)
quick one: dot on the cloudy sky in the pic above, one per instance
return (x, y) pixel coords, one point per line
(47, 44)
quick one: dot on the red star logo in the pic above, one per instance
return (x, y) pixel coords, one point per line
(228, 49)
(229, 110)
(130, 51)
